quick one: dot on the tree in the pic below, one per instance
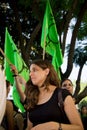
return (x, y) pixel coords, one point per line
(80, 58)
(24, 21)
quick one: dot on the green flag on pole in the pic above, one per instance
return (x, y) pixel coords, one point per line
(15, 58)
(49, 38)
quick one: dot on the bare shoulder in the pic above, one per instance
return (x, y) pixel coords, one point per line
(69, 99)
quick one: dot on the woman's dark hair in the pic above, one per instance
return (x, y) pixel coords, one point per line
(32, 91)
(83, 106)
(65, 80)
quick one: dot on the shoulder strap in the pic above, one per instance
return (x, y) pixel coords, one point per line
(60, 100)
(61, 106)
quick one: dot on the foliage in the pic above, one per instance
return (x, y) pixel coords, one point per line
(82, 33)
(82, 103)
(80, 55)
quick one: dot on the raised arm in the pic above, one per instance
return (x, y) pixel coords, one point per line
(19, 82)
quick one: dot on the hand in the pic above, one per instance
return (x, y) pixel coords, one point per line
(13, 69)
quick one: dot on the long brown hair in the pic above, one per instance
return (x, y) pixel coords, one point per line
(32, 91)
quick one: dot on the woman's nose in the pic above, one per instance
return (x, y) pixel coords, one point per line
(31, 73)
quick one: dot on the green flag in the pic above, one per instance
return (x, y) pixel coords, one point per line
(49, 38)
(15, 58)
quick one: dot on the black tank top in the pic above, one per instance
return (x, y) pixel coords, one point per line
(49, 111)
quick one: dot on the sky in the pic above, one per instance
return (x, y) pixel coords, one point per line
(74, 73)
(83, 76)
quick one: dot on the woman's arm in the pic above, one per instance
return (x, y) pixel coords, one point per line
(19, 88)
(19, 82)
(55, 126)
(72, 113)
(9, 115)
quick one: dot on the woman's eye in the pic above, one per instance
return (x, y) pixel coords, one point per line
(67, 85)
(34, 70)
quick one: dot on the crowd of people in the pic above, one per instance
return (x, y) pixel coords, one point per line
(40, 100)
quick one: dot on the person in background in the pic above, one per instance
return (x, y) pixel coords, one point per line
(41, 99)
(67, 84)
(84, 116)
(13, 120)
(8, 121)
(16, 117)
(2, 94)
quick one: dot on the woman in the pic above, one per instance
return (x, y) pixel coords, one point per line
(67, 84)
(41, 99)
(84, 116)
(8, 120)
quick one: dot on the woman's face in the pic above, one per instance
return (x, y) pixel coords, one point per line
(68, 85)
(38, 75)
(84, 110)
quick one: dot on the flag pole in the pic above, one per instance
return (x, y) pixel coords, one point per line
(44, 45)
(9, 62)
(44, 52)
